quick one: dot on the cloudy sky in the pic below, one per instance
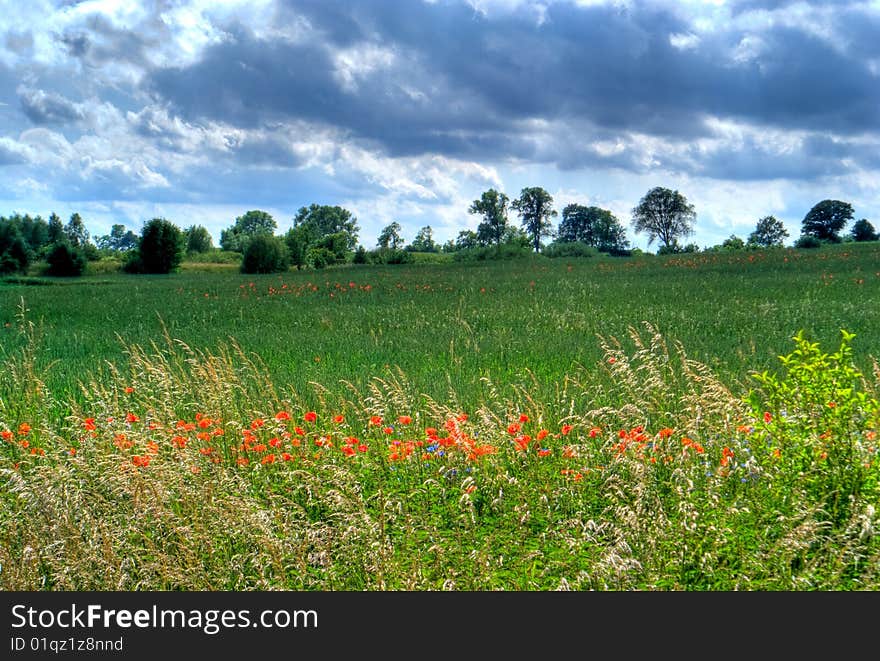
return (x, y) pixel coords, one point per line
(406, 110)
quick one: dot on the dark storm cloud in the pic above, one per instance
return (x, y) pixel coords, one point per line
(48, 107)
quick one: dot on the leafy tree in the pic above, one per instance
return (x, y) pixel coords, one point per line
(863, 231)
(535, 208)
(769, 232)
(424, 241)
(733, 242)
(826, 219)
(34, 231)
(160, 249)
(805, 241)
(14, 254)
(119, 239)
(390, 237)
(297, 240)
(76, 231)
(466, 240)
(492, 206)
(594, 227)
(56, 228)
(65, 260)
(252, 223)
(198, 239)
(360, 256)
(265, 254)
(336, 244)
(664, 214)
(319, 220)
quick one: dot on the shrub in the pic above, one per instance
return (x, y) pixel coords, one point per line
(320, 258)
(808, 242)
(14, 254)
(160, 249)
(360, 256)
(570, 249)
(390, 256)
(502, 252)
(265, 254)
(65, 261)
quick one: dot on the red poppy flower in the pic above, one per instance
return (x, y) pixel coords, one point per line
(282, 415)
(404, 420)
(311, 416)
(523, 418)
(338, 419)
(566, 429)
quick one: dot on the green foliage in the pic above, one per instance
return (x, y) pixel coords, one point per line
(807, 243)
(819, 421)
(594, 227)
(570, 249)
(466, 240)
(66, 261)
(253, 223)
(505, 251)
(733, 242)
(768, 233)
(119, 239)
(265, 254)
(492, 206)
(424, 241)
(160, 249)
(360, 256)
(863, 230)
(14, 254)
(318, 220)
(198, 239)
(535, 208)
(389, 256)
(664, 214)
(320, 258)
(76, 231)
(390, 237)
(826, 219)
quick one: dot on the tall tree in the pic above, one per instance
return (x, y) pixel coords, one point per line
(492, 206)
(424, 241)
(198, 239)
(119, 239)
(594, 226)
(390, 237)
(769, 232)
(161, 247)
(252, 223)
(76, 231)
(56, 228)
(535, 208)
(664, 214)
(319, 220)
(825, 220)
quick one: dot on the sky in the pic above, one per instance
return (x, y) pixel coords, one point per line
(407, 110)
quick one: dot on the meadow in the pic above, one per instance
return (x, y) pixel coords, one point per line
(527, 425)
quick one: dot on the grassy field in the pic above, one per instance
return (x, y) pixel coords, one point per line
(529, 425)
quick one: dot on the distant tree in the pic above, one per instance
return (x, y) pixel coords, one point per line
(14, 254)
(160, 249)
(76, 231)
(535, 208)
(390, 237)
(336, 244)
(360, 256)
(265, 254)
(492, 206)
(297, 240)
(592, 226)
(424, 241)
(466, 239)
(826, 219)
(198, 239)
(34, 231)
(733, 242)
(55, 229)
(664, 214)
(318, 220)
(769, 232)
(863, 231)
(247, 226)
(65, 260)
(119, 239)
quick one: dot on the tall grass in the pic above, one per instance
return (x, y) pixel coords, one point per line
(186, 468)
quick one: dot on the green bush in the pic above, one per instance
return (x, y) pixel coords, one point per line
(502, 252)
(160, 249)
(265, 254)
(65, 261)
(817, 423)
(570, 249)
(808, 242)
(320, 258)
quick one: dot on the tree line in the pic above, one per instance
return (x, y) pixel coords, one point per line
(323, 235)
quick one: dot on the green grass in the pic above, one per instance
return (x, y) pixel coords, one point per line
(638, 462)
(459, 323)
